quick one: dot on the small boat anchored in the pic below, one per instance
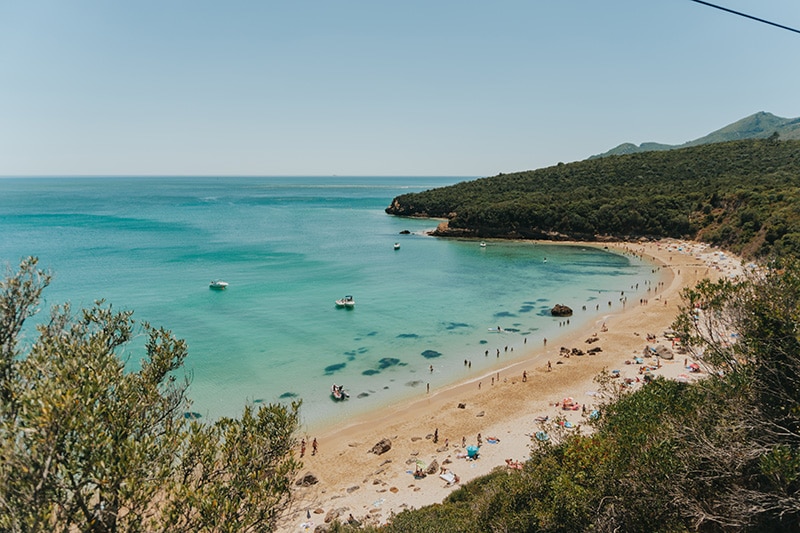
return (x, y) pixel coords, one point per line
(218, 285)
(483, 244)
(338, 393)
(347, 301)
(397, 246)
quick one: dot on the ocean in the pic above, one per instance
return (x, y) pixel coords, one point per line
(289, 247)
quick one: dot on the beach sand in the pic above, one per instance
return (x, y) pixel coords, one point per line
(352, 481)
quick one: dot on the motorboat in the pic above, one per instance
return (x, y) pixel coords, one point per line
(483, 244)
(338, 393)
(218, 285)
(347, 301)
(397, 246)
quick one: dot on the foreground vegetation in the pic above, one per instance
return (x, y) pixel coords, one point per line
(743, 196)
(718, 455)
(87, 446)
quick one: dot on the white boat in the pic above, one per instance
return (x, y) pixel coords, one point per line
(483, 244)
(347, 301)
(397, 246)
(338, 392)
(218, 284)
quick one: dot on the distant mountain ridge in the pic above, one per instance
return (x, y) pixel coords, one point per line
(757, 126)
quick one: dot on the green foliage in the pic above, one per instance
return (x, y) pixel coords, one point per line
(743, 196)
(88, 446)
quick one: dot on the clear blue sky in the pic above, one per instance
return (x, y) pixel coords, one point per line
(456, 87)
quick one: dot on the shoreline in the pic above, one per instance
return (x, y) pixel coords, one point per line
(371, 488)
(524, 354)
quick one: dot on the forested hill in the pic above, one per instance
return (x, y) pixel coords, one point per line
(757, 126)
(741, 195)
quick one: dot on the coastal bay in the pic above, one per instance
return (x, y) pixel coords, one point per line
(353, 481)
(289, 247)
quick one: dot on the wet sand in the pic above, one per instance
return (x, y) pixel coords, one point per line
(371, 487)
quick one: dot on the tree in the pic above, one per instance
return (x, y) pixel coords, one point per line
(740, 449)
(87, 444)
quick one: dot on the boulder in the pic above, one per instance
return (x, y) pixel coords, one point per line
(433, 468)
(664, 352)
(307, 480)
(561, 310)
(382, 447)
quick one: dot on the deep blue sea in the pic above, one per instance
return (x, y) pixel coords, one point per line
(289, 247)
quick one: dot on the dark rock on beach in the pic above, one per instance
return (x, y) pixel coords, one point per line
(433, 467)
(307, 480)
(383, 446)
(561, 310)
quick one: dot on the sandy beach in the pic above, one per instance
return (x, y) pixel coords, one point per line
(502, 406)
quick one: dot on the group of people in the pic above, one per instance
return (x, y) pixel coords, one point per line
(303, 446)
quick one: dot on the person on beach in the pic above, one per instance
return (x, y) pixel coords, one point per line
(436, 436)
(314, 446)
(463, 442)
(524, 376)
(480, 440)
(303, 447)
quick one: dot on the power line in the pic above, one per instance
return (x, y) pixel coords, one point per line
(746, 16)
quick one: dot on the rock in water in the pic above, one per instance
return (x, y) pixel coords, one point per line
(561, 310)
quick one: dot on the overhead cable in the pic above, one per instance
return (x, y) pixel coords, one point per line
(746, 16)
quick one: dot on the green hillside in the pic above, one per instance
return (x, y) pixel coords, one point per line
(741, 195)
(760, 125)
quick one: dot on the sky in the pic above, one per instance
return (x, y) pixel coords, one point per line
(371, 87)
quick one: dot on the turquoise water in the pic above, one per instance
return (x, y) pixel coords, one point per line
(289, 247)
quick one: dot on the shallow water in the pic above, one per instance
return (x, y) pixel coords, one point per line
(289, 247)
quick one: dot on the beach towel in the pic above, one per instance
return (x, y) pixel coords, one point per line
(449, 477)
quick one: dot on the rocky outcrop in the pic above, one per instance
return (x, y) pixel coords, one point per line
(433, 468)
(307, 480)
(664, 352)
(561, 310)
(382, 447)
